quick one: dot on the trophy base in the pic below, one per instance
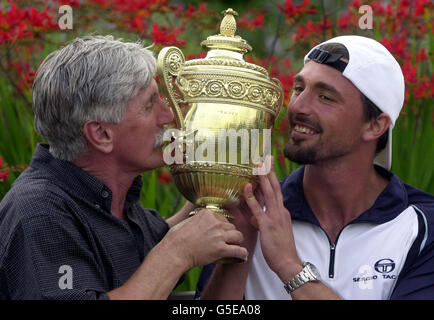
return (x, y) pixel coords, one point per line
(214, 208)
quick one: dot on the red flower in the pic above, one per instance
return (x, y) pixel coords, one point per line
(258, 21)
(3, 174)
(287, 82)
(164, 177)
(101, 3)
(310, 29)
(164, 37)
(344, 21)
(397, 45)
(325, 24)
(357, 4)
(404, 7)
(191, 56)
(72, 3)
(377, 8)
(424, 88)
(283, 125)
(191, 9)
(409, 72)
(16, 23)
(293, 10)
(419, 7)
(136, 24)
(193, 12)
(421, 55)
(281, 159)
(40, 20)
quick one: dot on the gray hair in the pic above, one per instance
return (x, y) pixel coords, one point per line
(92, 78)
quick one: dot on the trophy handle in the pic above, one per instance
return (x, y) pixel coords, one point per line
(281, 96)
(170, 62)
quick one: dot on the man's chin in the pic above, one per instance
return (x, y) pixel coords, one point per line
(154, 165)
(299, 155)
(156, 159)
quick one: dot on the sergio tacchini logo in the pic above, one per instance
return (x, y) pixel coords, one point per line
(384, 265)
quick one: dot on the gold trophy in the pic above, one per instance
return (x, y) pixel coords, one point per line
(216, 99)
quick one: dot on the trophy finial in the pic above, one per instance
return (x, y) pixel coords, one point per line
(228, 25)
(227, 39)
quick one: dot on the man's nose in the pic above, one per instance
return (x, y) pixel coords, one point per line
(166, 115)
(301, 103)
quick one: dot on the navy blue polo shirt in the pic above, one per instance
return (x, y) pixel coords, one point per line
(58, 239)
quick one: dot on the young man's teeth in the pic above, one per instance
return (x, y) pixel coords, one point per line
(303, 129)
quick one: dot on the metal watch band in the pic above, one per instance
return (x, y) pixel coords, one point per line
(307, 274)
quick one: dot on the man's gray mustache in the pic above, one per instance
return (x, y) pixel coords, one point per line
(159, 140)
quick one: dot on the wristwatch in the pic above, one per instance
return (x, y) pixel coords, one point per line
(309, 273)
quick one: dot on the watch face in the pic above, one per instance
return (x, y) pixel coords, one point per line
(314, 270)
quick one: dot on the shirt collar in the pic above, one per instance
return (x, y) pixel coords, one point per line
(70, 177)
(389, 204)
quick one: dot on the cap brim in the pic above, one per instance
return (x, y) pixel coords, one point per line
(384, 158)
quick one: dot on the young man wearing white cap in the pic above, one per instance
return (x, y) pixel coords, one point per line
(342, 226)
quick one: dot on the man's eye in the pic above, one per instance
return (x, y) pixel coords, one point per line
(298, 89)
(150, 103)
(327, 98)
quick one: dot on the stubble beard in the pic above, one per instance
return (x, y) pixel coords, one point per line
(319, 151)
(296, 153)
(293, 150)
(315, 154)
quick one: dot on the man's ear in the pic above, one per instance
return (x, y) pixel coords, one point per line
(376, 127)
(99, 135)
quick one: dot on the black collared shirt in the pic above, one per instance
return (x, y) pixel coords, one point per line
(58, 239)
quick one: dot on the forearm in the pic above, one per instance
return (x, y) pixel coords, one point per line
(227, 282)
(314, 291)
(199, 240)
(154, 279)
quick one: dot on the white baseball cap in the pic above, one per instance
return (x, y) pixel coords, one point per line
(375, 72)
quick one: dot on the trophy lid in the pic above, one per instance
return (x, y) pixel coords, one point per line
(227, 39)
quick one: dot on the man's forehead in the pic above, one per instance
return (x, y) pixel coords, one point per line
(146, 92)
(316, 72)
(143, 95)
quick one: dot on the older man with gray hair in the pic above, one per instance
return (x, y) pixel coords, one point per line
(71, 227)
